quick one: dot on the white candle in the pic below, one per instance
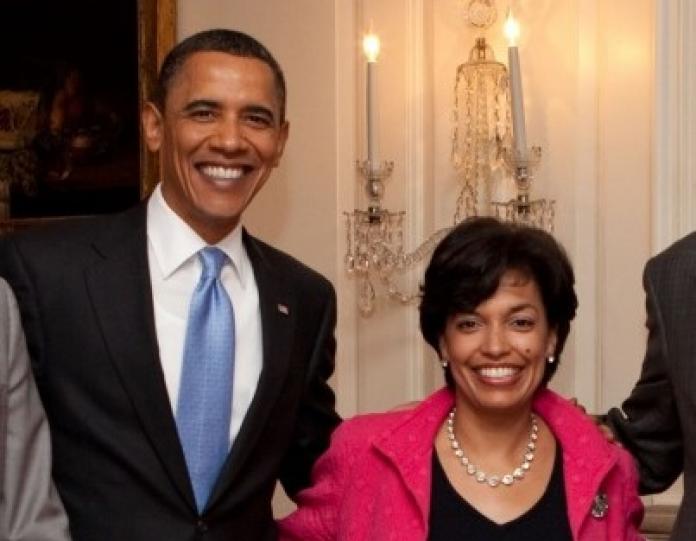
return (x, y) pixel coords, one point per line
(371, 48)
(519, 131)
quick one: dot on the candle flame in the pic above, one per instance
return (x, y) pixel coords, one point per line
(371, 47)
(511, 29)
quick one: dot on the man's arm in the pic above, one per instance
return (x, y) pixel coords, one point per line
(648, 422)
(30, 509)
(317, 417)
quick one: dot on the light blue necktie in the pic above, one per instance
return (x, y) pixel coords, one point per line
(205, 392)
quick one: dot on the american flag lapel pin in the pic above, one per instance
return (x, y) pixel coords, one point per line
(283, 309)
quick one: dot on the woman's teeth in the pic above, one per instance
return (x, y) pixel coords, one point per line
(498, 371)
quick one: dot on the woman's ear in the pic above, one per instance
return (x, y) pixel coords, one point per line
(442, 348)
(551, 343)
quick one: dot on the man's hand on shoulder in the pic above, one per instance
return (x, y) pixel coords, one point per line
(598, 420)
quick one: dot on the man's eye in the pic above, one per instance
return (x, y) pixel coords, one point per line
(202, 114)
(258, 120)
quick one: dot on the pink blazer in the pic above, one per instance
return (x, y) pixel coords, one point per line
(373, 484)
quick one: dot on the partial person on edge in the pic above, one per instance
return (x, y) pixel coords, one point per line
(30, 509)
(656, 423)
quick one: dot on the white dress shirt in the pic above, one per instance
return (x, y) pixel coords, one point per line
(175, 269)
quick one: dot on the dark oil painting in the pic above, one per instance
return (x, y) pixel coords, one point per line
(69, 120)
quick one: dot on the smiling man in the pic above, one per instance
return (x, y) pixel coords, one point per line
(182, 362)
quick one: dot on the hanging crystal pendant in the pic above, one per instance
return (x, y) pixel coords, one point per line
(481, 125)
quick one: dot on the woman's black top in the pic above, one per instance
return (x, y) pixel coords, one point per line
(452, 518)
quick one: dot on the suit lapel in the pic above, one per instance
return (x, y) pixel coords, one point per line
(277, 306)
(120, 289)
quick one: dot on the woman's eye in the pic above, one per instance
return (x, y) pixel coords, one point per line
(523, 323)
(467, 324)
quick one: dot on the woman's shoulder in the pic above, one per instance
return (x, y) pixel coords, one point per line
(368, 426)
(353, 439)
(365, 428)
(561, 413)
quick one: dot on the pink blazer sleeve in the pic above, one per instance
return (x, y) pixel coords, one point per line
(316, 517)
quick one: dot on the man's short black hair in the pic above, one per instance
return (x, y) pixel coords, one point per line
(217, 40)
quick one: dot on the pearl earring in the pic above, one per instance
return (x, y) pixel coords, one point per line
(551, 359)
(444, 363)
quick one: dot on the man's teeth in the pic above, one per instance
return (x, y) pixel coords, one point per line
(222, 172)
(498, 371)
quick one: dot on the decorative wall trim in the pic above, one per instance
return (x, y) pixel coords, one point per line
(346, 374)
(416, 171)
(658, 521)
(587, 208)
(674, 172)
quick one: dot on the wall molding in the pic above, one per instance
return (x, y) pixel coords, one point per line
(674, 170)
(587, 340)
(416, 171)
(347, 362)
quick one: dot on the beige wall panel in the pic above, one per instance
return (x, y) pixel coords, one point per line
(625, 66)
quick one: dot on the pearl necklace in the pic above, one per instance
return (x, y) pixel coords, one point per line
(494, 480)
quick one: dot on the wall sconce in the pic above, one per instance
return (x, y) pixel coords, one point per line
(520, 159)
(375, 236)
(488, 151)
(489, 144)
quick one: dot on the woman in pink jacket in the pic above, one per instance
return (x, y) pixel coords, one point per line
(495, 455)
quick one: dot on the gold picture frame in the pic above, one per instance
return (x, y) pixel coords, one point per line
(156, 34)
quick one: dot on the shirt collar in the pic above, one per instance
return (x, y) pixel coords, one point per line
(174, 242)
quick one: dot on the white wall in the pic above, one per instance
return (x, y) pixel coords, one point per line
(589, 74)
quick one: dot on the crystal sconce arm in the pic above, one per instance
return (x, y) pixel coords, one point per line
(375, 242)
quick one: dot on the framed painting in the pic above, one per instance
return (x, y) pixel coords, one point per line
(73, 78)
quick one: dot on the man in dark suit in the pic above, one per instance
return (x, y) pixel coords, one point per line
(656, 423)
(112, 308)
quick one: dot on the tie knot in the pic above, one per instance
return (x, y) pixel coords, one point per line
(212, 260)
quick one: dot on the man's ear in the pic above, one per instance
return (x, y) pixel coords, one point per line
(282, 139)
(152, 122)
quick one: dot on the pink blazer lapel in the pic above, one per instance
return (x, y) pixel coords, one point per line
(409, 446)
(587, 458)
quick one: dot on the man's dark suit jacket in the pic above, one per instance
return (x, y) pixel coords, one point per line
(658, 423)
(86, 303)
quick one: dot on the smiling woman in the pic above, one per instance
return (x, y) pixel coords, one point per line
(497, 352)
(495, 453)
